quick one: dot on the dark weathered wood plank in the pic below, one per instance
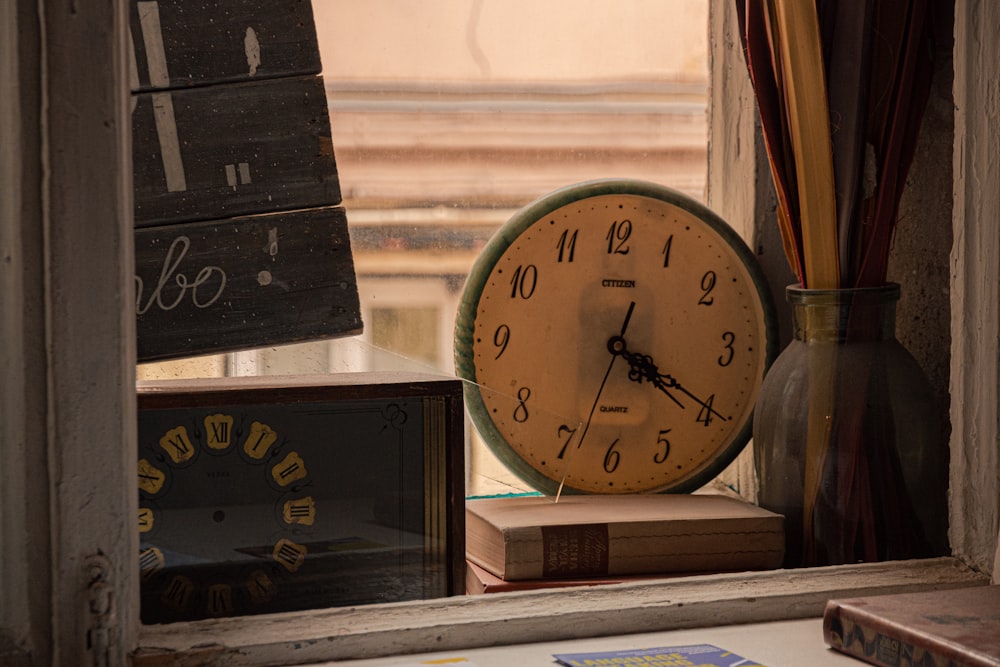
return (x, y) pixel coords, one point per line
(179, 43)
(223, 151)
(242, 283)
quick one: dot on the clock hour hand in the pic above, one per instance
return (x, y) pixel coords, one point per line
(642, 368)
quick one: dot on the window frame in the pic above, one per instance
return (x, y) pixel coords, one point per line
(498, 619)
(69, 365)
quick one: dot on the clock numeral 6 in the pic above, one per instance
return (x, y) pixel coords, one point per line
(220, 600)
(521, 411)
(612, 458)
(524, 281)
(661, 439)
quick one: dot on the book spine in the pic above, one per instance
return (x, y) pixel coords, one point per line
(575, 551)
(595, 550)
(854, 632)
(552, 552)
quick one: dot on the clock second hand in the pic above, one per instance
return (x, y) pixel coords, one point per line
(597, 398)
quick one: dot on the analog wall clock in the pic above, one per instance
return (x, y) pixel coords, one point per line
(279, 494)
(614, 335)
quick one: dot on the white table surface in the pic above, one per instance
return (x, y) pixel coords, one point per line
(779, 644)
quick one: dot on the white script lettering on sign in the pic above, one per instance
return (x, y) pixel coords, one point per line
(205, 279)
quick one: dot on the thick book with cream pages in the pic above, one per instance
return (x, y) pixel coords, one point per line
(534, 537)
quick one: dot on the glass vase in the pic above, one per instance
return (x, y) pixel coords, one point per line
(847, 443)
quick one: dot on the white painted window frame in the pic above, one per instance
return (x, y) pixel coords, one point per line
(68, 572)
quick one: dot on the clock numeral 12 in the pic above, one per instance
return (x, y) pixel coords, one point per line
(618, 235)
(219, 429)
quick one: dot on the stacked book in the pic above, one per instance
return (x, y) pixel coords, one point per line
(958, 627)
(523, 542)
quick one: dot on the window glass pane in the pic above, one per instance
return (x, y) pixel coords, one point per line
(412, 332)
(303, 358)
(449, 115)
(192, 367)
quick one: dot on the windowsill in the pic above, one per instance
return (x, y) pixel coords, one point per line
(468, 622)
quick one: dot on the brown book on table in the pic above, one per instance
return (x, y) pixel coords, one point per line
(948, 628)
(533, 537)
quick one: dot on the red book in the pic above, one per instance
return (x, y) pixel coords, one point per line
(478, 581)
(949, 628)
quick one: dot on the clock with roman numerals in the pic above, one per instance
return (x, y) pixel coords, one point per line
(261, 495)
(614, 335)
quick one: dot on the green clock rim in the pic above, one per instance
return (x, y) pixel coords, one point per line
(508, 233)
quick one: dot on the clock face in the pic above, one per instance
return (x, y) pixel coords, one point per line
(615, 335)
(248, 508)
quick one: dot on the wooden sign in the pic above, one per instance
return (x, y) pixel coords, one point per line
(244, 282)
(219, 151)
(239, 240)
(179, 43)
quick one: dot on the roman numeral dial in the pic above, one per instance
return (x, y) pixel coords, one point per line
(221, 478)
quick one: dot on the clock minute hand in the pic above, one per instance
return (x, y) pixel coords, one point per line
(604, 381)
(703, 404)
(679, 386)
(597, 398)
